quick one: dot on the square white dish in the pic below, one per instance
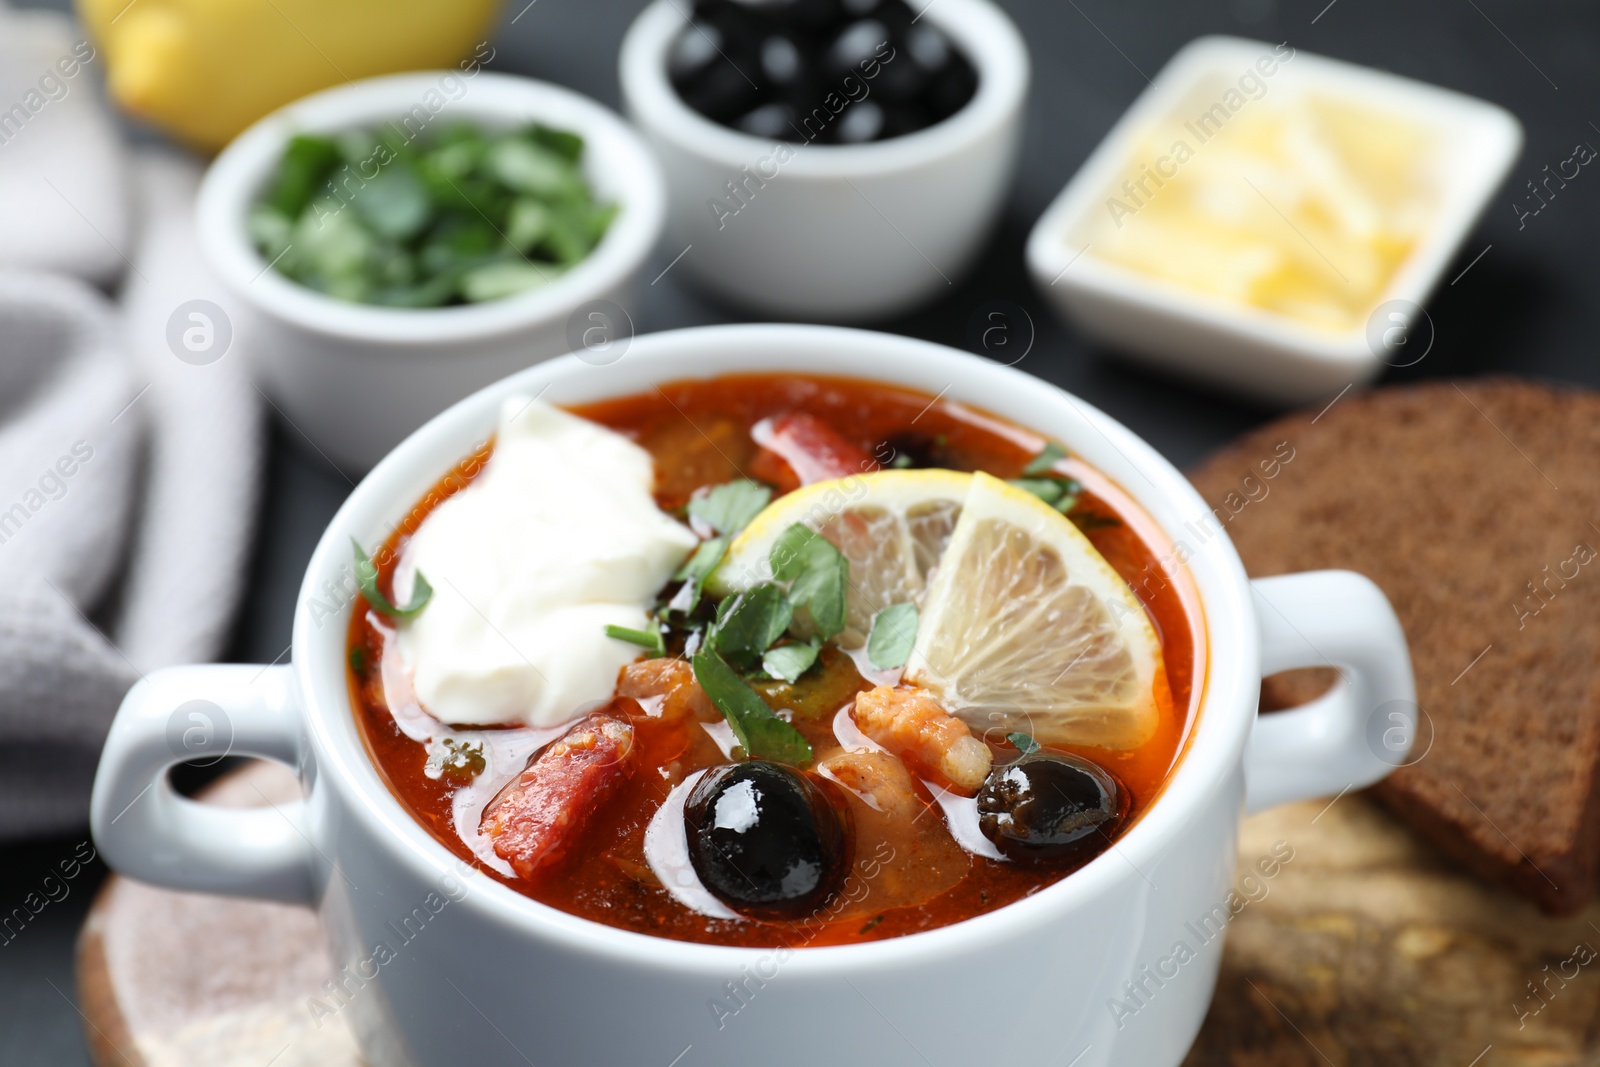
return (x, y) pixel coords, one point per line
(1262, 354)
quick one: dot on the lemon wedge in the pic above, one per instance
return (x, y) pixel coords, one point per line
(891, 525)
(1026, 627)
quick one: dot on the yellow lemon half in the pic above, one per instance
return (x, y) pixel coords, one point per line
(205, 69)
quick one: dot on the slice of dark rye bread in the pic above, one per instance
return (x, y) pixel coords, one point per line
(1476, 506)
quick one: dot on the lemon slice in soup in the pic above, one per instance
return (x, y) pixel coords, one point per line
(892, 526)
(1026, 627)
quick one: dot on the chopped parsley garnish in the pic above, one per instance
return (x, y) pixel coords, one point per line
(376, 216)
(1045, 461)
(649, 640)
(790, 661)
(1024, 742)
(358, 659)
(1059, 493)
(760, 731)
(894, 631)
(367, 580)
(728, 508)
(694, 572)
(748, 624)
(818, 573)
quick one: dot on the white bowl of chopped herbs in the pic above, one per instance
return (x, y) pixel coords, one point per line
(396, 243)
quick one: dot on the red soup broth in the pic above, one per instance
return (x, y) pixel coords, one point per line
(699, 433)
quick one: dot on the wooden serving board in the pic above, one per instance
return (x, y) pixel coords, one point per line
(170, 979)
(1363, 948)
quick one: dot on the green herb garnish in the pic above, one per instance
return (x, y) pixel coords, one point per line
(759, 730)
(790, 661)
(1059, 493)
(695, 570)
(367, 580)
(748, 624)
(1047, 489)
(1024, 742)
(300, 173)
(894, 631)
(649, 640)
(392, 218)
(819, 575)
(1089, 521)
(1045, 461)
(460, 760)
(729, 508)
(358, 659)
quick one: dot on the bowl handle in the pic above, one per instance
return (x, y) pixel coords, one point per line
(1366, 725)
(145, 829)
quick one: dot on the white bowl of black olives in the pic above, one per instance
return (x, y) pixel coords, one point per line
(828, 159)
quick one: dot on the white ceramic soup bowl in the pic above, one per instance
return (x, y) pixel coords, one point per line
(440, 964)
(353, 379)
(838, 232)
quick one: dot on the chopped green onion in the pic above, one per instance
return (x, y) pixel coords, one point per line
(649, 640)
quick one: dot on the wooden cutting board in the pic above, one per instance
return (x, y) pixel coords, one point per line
(171, 979)
(1363, 948)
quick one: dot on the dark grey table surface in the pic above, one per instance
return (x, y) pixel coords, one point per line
(1529, 306)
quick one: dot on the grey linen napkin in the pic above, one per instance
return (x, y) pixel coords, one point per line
(128, 480)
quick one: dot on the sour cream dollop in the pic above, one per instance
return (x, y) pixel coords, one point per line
(558, 537)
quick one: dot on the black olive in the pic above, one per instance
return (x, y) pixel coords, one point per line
(773, 122)
(808, 14)
(900, 79)
(694, 50)
(860, 123)
(1051, 809)
(901, 119)
(781, 62)
(720, 91)
(747, 65)
(952, 89)
(928, 48)
(857, 43)
(768, 841)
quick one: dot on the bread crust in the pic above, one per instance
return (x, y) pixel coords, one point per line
(1474, 505)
